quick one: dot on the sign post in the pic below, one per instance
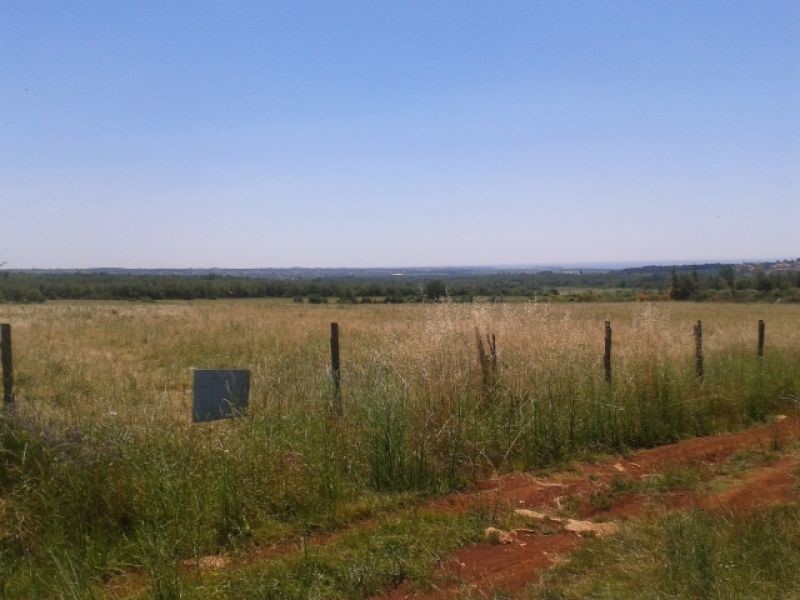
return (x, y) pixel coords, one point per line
(220, 394)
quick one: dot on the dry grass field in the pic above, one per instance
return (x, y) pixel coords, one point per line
(103, 473)
(87, 360)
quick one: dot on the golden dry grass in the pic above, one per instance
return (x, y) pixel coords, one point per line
(94, 358)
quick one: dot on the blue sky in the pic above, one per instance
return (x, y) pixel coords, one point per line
(376, 133)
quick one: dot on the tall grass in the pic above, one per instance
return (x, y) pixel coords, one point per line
(697, 555)
(102, 471)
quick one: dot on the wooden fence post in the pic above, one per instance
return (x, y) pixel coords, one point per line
(335, 369)
(698, 349)
(483, 359)
(607, 353)
(7, 363)
(488, 362)
(492, 342)
(761, 332)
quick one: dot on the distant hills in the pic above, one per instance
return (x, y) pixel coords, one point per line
(425, 273)
(771, 281)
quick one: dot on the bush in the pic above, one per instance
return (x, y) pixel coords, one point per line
(435, 290)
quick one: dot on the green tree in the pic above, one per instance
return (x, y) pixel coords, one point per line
(435, 290)
(728, 273)
(764, 282)
(684, 286)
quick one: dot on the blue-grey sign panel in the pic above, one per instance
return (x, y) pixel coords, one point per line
(220, 393)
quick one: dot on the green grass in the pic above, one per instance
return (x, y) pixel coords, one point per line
(697, 555)
(84, 505)
(401, 548)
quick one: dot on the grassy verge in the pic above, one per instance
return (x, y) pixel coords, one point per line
(686, 555)
(399, 548)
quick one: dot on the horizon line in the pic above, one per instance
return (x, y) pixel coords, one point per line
(621, 264)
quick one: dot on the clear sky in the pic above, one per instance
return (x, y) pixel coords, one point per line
(377, 133)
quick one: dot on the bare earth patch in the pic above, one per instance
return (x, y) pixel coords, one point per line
(513, 565)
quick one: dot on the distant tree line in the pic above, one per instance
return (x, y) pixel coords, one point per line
(725, 284)
(27, 287)
(701, 282)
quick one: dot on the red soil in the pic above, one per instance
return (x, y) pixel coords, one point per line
(491, 566)
(511, 567)
(771, 485)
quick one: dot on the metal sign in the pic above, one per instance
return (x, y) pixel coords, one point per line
(220, 394)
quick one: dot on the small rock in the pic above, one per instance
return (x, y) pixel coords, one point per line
(500, 536)
(555, 559)
(212, 562)
(530, 514)
(591, 528)
(548, 484)
(619, 467)
(571, 525)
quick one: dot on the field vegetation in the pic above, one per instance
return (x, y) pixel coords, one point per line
(696, 554)
(718, 282)
(102, 473)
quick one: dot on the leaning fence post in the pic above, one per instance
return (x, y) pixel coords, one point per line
(488, 362)
(761, 328)
(607, 353)
(492, 342)
(698, 349)
(7, 363)
(335, 370)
